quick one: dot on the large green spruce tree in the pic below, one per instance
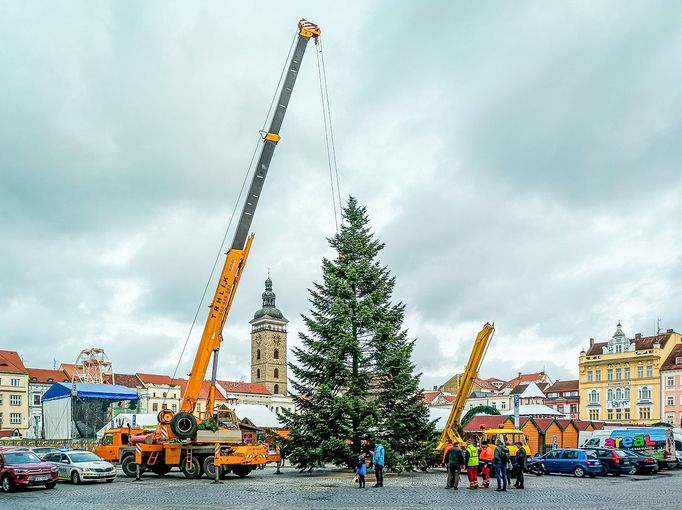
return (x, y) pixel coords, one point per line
(353, 374)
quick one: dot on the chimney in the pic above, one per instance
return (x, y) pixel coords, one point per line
(519, 375)
(435, 388)
(591, 342)
(638, 336)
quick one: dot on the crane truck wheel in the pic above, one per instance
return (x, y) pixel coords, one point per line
(128, 466)
(209, 467)
(184, 425)
(242, 471)
(193, 470)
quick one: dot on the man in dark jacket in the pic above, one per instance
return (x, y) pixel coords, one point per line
(520, 462)
(500, 459)
(454, 462)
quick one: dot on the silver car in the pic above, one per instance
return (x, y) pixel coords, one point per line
(81, 466)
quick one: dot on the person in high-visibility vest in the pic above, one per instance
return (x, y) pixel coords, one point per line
(486, 460)
(472, 464)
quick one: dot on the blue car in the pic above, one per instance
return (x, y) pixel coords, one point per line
(572, 460)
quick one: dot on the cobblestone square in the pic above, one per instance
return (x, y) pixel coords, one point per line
(334, 489)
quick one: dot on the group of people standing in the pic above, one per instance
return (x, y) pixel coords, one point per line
(378, 460)
(467, 456)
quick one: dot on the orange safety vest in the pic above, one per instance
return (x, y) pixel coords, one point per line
(487, 453)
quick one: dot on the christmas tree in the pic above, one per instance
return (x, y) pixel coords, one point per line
(353, 374)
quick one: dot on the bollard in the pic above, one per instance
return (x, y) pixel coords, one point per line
(138, 461)
(279, 464)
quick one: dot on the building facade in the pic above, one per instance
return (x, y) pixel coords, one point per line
(14, 414)
(269, 345)
(671, 388)
(564, 396)
(620, 379)
(39, 381)
(158, 392)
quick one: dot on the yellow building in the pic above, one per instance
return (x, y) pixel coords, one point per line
(620, 379)
(13, 394)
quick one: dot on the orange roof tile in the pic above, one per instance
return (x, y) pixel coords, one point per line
(155, 379)
(244, 387)
(10, 361)
(203, 394)
(429, 396)
(43, 375)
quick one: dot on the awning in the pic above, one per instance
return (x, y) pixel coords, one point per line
(82, 390)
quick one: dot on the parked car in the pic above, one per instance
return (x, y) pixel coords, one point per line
(20, 467)
(571, 460)
(641, 463)
(613, 461)
(41, 451)
(80, 465)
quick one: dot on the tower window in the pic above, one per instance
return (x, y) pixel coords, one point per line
(276, 389)
(276, 354)
(276, 372)
(258, 373)
(257, 353)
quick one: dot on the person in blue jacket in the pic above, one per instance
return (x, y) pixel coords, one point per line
(378, 460)
(361, 471)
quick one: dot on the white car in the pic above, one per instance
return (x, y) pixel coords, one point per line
(81, 466)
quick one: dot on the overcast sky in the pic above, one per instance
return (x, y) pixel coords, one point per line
(521, 161)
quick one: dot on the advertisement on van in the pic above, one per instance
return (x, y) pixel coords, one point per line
(655, 441)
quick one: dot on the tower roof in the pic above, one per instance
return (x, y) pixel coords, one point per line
(269, 310)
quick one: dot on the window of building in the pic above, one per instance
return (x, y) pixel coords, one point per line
(36, 399)
(15, 418)
(619, 348)
(154, 394)
(610, 414)
(670, 401)
(276, 354)
(626, 394)
(276, 372)
(618, 414)
(597, 375)
(155, 406)
(645, 393)
(594, 414)
(560, 408)
(640, 372)
(14, 382)
(644, 413)
(609, 394)
(618, 394)
(627, 373)
(257, 353)
(15, 400)
(649, 371)
(626, 414)
(494, 404)
(276, 389)
(609, 374)
(174, 407)
(0, 398)
(593, 396)
(670, 418)
(258, 373)
(198, 406)
(504, 405)
(164, 406)
(164, 394)
(670, 381)
(678, 360)
(618, 374)
(589, 376)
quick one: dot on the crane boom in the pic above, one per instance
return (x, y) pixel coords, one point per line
(451, 430)
(241, 244)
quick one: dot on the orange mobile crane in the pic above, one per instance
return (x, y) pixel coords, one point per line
(177, 440)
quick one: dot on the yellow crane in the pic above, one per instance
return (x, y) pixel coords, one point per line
(451, 430)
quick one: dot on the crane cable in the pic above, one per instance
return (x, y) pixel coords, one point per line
(329, 134)
(234, 211)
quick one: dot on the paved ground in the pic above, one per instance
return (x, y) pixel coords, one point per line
(330, 489)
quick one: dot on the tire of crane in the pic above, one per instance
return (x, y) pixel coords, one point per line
(160, 469)
(184, 425)
(194, 471)
(128, 466)
(209, 467)
(242, 471)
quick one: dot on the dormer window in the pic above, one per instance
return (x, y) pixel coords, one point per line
(678, 360)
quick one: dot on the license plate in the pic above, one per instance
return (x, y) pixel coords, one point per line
(40, 478)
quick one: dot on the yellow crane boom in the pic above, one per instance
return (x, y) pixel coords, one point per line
(451, 430)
